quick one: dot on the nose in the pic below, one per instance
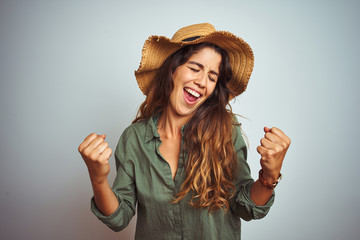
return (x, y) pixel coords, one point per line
(201, 80)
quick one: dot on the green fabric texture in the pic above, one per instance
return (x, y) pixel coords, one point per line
(144, 179)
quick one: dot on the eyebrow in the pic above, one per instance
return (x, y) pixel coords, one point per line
(202, 67)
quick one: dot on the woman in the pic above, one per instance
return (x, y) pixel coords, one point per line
(183, 160)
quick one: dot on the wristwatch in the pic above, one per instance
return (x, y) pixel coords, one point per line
(266, 183)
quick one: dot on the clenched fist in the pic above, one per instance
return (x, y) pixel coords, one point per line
(273, 148)
(96, 153)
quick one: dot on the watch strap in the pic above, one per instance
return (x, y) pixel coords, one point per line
(266, 183)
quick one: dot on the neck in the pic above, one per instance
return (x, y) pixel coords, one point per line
(170, 124)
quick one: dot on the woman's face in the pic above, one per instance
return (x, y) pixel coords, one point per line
(194, 81)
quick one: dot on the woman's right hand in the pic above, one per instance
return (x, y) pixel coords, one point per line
(96, 153)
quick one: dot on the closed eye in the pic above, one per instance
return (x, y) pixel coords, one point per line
(195, 70)
(212, 79)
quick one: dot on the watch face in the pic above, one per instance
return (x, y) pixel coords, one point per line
(266, 183)
(277, 181)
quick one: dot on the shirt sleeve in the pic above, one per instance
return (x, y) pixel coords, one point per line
(241, 204)
(124, 189)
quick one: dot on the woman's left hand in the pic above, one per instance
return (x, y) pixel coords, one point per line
(273, 148)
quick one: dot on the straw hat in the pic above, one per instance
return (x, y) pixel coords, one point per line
(157, 48)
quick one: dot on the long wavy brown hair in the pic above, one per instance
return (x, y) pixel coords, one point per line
(208, 145)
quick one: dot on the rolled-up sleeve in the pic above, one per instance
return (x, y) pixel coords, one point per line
(241, 204)
(247, 209)
(124, 189)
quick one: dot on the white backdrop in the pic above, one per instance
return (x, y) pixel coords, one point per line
(66, 70)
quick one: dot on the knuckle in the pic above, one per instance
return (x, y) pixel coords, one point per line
(80, 148)
(91, 136)
(86, 151)
(271, 153)
(101, 158)
(265, 153)
(275, 129)
(93, 156)
(278, 149)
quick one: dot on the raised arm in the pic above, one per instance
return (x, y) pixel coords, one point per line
(96, 152)
(273, 148)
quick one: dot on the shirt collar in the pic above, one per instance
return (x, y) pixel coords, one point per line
(151, 128)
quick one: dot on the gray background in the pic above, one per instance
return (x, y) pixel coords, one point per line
(67, 70)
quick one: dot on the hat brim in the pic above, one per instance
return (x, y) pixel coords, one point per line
(158, 48)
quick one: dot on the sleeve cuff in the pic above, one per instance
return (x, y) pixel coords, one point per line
(101, 216)
(244, 199)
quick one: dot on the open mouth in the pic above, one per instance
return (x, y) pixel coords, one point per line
(191, 95)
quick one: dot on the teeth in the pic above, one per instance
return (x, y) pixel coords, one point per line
(192, 92)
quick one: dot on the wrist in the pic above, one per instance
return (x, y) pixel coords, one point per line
(269, 181)
(98, 182)
(269, 177)
(100, 187)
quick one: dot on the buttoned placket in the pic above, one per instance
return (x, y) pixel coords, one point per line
(175, 185)
(177, 182)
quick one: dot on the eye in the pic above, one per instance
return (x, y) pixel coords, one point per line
(195, 70)
(212, 79)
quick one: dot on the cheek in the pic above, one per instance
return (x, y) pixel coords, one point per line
(211, 89)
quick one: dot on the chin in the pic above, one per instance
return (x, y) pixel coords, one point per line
(186, 111)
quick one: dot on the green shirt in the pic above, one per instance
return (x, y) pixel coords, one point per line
(144, 178)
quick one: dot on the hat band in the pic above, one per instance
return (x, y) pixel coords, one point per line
(191, 39)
